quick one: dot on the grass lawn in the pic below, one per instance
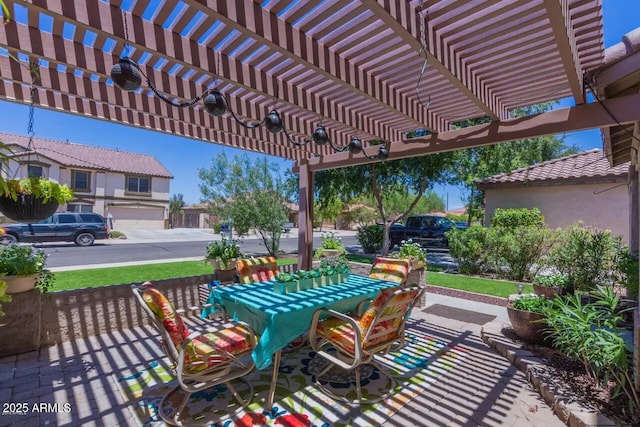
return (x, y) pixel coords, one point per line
(77, 279)
(498, 288)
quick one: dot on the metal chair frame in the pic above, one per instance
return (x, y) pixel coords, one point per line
(362, 356)
(230, 367)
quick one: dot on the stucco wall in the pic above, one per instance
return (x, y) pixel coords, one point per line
(562, 205)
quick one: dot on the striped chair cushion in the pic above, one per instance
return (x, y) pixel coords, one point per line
(209, 349)
(342, 334)
(391, 269)
(164, 311)
(257, 269)
(205, 350)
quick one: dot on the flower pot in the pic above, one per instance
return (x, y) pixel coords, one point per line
(547, 291)
(331, 252)
(526, 325)
(27, 208)
(17, 284)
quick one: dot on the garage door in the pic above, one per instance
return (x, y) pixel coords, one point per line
(137, 218)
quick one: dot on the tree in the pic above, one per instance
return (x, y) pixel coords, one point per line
(385, 180)
(481, 162)
(327, 209)
(176, 203)
(397, 202)
(251, 193)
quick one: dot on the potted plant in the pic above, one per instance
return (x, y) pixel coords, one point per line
(414, 252)
(23, 268)
(526, 314)
(331, 246)
(33, 198)
(223, 253)
(285, 283)
(551, 285)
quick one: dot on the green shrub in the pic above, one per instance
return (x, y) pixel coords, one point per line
(512, 218)
(590, 257)
(520, 250)
(470, 248)
(628, 268)
(114, 234)
(217, 227)
(553, 280)
(533, 303)
(370, 237)
(589, 333)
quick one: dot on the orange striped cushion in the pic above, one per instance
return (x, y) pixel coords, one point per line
(391, 269)
(208, 349)
(164, 311)
(257, 269)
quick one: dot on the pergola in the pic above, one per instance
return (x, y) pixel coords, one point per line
(356, 67)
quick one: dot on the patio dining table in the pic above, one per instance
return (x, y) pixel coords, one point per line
(280, 318)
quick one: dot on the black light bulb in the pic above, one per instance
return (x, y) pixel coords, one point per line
(273, 122)
(383, 153)
(215, 103)
(126, 75)
(355, 145)
(320, 135)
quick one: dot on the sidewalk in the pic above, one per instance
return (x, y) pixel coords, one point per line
(202, 234)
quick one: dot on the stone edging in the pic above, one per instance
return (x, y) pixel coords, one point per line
(571, 413)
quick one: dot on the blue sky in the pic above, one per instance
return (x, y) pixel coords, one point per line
(183, 156)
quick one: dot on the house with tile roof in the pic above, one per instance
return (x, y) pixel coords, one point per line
(132, 187)
(580, 187)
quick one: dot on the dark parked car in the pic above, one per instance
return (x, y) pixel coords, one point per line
(81, 228)
(427, 230)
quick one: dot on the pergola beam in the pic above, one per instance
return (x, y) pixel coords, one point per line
(612, 112)
(558, 13)
(108, 19)
(250, 19)
(406, 22)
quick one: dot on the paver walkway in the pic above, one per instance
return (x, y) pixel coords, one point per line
(485, 390)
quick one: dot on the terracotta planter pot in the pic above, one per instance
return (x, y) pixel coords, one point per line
(526, 325)
(331, 252)
(17, 284)
(222, 272)
(547, 291)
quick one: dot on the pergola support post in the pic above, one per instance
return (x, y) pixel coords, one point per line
(305, 216)
(634, 243)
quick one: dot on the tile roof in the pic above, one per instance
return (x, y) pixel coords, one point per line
(87, 156)
(588, 165)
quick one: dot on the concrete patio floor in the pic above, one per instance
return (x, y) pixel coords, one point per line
(485, 390)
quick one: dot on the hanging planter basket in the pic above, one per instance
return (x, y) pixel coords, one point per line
(27, 208)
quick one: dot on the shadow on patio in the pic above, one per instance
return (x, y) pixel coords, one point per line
(452, 379)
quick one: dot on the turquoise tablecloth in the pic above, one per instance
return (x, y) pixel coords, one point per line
(281, 318)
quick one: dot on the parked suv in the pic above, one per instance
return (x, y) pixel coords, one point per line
(81, 228)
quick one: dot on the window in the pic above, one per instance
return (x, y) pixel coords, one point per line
(92, 218)
(34, 170)
(78, 207)
(413, 222)
(66, 219)
(80, 180)
(138, 184)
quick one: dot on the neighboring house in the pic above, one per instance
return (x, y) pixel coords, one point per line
(133, 187)
(581, 187)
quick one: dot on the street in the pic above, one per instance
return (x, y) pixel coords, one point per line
(107, 252)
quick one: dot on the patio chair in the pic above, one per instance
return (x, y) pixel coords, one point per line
(257, 269)
(349, 341)
(201, 360)
(391, 269)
